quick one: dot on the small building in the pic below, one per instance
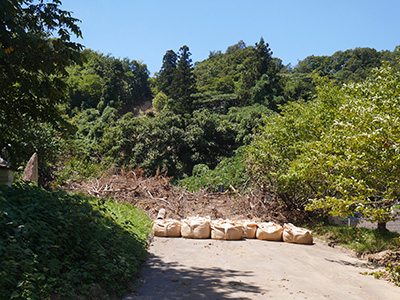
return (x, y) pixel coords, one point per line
(6, 172)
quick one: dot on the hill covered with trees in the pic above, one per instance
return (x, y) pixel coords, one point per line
(80, 109)
(202, 112)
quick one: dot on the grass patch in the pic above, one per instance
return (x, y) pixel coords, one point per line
(361, 240)
(59, 246)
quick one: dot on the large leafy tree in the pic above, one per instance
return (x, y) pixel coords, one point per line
(283, 139)
(340, 150)
(358, 157)
(342, 66)
(251, 73)
(35, 49)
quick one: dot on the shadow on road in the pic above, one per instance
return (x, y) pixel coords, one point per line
(170, 280)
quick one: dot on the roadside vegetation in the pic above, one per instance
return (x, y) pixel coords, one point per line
(59, 246)
(362, 240)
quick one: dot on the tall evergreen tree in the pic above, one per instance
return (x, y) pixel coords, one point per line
(267, 88)
(259, 64)
(183, 84)
(167, 72)
(264, 58)
(113, 88)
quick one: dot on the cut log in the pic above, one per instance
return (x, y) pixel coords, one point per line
(161, 214)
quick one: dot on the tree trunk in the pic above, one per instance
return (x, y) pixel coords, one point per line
(382, 226)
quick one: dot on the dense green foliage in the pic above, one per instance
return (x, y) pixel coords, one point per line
(103, 81)
(345, 66)
(52, 243)
(175, 144)
(246, 71)
(353, 65)
(229, 172)
(201, 112)
(337, 153)
(35, 50)
(199, 125)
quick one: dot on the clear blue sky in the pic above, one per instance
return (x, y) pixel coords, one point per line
(145, 30)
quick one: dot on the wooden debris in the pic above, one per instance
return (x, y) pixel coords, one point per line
(155, 194)
(161, 214)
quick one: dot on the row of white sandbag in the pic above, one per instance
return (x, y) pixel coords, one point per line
(204, 228)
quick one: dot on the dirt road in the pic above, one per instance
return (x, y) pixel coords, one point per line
(253, 269)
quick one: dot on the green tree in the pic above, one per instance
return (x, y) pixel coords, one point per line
(337, 153)
(35, 49)
(264, 58)
(103, 81)
(113, 90)
(183, 84)
(160, 101)
(342, 66)
(358, 157)
(167, 72)
(239, 70)
(283, 139)
(359, 64)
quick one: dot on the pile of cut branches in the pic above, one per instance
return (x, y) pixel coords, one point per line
(152, 194)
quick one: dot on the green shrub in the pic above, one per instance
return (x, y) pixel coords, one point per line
(77, 169)
(230, 171)
(359, 239)
(52, 243)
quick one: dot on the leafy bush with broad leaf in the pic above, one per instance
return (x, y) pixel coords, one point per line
(338, 153)
(272, 159)
(52, 243)
(358, 157)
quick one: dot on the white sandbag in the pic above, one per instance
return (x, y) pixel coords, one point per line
(226, 230)
(196, 228)
(249, 229)
(293, 234)
(167, 228)
(269, 231)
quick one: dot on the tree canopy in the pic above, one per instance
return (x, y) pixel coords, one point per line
(103, 80)
(35, 50)
(337, 153)
(250, 72)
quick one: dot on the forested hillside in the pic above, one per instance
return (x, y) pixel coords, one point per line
(86, 116)
(202, 112)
